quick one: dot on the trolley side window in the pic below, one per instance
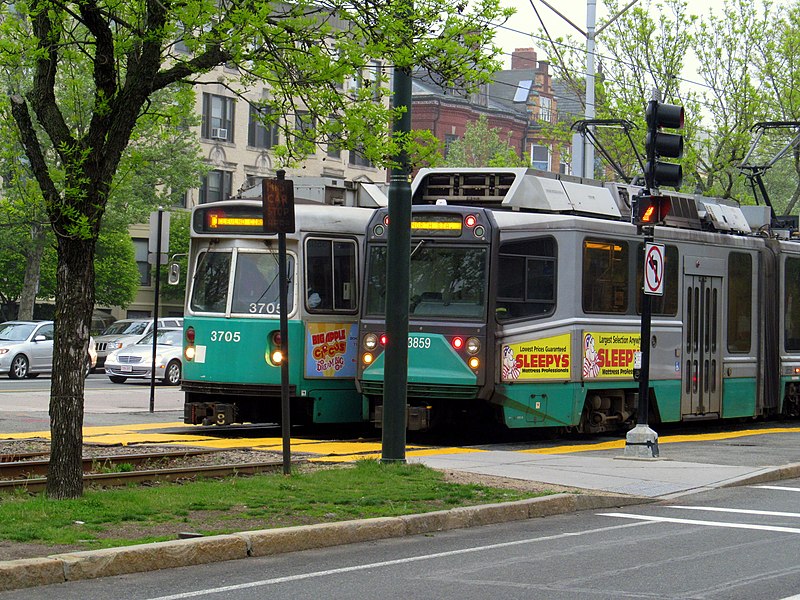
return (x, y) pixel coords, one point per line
(527, 279)
(256, 284)
(791, 286)
(740, 301)
(605, 276)
(331, 275)
(210, 284)
(666, 304)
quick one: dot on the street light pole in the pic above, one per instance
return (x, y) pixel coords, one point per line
(582, 149)
(588, 149)
(395, 381)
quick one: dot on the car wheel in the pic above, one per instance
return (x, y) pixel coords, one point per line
(87, 368)
(117, 379)
(19, 367)
(173, 374)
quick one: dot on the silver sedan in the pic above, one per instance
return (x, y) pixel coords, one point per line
(135, 361)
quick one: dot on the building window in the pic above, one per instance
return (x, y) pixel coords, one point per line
(216, 186)
(372, 78)
(140, 247)
(217, 118)
(540, 157)
(449, 138)
(545, 109)
(259, 134)
(357, 158)
(334, 138)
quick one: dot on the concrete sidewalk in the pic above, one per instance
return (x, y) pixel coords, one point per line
(654, 478)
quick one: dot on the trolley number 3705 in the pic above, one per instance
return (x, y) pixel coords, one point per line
(225, 336)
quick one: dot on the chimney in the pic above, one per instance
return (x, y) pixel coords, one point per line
(523, 58)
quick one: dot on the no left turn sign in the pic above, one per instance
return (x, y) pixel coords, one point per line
(654, 269)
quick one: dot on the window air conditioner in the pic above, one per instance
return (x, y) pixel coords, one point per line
(219, 133)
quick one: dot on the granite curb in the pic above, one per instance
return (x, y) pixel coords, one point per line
(91, 564)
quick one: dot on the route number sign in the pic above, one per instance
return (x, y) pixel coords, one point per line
(654, 269)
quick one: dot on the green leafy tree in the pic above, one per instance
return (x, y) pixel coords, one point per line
(482, 146)
(302, 51)
(779, 70)
(159, 165)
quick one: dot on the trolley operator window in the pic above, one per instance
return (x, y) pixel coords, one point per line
(605, 276)
(446, 282)
(210, 285)
(740, 301)
(667, 303)
(791, 287)
(255, 283)
(331, 275)
(527, 280)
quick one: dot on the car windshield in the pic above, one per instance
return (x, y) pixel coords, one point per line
(15, 332)
(126, 328)
(166, 337)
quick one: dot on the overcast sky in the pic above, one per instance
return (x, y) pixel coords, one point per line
(517, 32)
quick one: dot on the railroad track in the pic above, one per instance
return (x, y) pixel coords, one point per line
(29, 474)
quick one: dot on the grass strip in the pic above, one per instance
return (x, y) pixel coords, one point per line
(105, 518)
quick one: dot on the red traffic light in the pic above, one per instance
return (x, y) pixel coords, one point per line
(650, 210)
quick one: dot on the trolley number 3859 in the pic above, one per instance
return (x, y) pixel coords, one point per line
(419, 342)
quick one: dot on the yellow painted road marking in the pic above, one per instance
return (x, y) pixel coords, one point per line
(328, 451)
(669, 439)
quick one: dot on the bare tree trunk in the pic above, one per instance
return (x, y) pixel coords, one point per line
(30, 285)
(74, 304)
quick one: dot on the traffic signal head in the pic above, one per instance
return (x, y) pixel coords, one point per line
(650, 210)
(659, 144)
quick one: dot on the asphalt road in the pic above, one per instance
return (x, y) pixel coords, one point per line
(24, 404)
(734, 543)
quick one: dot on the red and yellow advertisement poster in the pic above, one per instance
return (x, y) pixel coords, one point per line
(546, 358)
(609, 354)
(331, 349)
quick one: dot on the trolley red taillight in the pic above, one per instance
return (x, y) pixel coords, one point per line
(189, 349)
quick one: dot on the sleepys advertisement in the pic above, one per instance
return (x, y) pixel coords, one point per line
(546, 358)
(609, 354)
(605, 355)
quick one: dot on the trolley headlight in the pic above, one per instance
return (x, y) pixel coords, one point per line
(189, 353)
(367, 358)
(473, 345)
(277, 357)
(474, 362)
(370, 341)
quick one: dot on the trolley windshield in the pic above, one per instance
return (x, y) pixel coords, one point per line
(447, 282)
(255, 283)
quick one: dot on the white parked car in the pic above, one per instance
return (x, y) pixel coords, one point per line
(26, 349)
(136, 360)
(126, 332)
